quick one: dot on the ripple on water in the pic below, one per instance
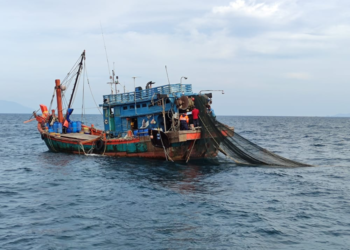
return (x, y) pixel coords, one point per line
(61, 201)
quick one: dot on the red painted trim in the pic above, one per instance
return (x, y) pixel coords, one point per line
(193, 136)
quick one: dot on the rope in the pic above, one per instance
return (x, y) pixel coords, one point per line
(165, 151)
(104, 151)
(51, 143)
(90, 150)
(83, 149)
(191, 151)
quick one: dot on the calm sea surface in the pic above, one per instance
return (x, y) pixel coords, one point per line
(61, 201)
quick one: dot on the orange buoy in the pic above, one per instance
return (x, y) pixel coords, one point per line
(129, 133)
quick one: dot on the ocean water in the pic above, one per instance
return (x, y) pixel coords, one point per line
(61, 201)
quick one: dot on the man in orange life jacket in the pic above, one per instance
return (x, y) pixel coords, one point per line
(184, 121)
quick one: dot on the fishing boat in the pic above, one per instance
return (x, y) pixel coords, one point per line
(148, 123)
(142, 123)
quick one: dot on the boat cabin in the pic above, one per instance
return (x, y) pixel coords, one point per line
(144, 109)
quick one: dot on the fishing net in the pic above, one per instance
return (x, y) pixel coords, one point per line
(233, 145)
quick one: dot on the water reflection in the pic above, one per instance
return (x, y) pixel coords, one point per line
(179, 177)
(59, 162)
(56, 159)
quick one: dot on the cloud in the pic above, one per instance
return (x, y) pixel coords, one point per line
(242, 46)
(298, 76)
(242, 7)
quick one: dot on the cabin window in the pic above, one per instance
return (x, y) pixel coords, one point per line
(144, 105)
(138, 106)
(125, 107)
(132, 107)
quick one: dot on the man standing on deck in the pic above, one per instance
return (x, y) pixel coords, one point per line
(211, 112)
(183, 121)
(195, 113)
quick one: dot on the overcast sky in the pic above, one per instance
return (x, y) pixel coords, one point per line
(284, 57)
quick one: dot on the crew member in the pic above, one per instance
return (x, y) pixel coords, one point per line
(195, 113)
(211, 112)
(184, 121)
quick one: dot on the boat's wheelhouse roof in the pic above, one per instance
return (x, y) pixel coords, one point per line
(148, 94)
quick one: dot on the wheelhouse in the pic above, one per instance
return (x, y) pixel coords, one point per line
(138, 111)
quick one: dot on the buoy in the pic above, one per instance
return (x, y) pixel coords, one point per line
(129, 133)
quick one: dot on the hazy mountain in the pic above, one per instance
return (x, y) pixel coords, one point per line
(341, 115)
(13, 107)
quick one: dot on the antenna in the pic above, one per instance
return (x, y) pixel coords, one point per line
(116, 92)
(111, 83)
(116, 84)
(166, 70)
(103, 37)
(115, 87)
(134, 77)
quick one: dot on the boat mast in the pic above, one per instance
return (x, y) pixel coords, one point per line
(59, 100)
(76, 79)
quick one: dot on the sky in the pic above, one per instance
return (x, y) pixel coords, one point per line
(271, 57)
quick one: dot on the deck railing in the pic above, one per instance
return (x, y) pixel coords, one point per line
(148, 93)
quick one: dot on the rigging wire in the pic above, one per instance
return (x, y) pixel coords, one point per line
(53, 96)
(88, 82)
(75, 93)
(68, 80)
(103, 37)
(72, 77)
(65, 103)
(74, 66)
(82, 105)
(76, 84)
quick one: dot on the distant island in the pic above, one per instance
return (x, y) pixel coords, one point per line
(13, 107)
(341, 115)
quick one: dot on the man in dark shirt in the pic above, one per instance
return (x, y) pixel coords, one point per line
(211, 112)
(195, 113)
